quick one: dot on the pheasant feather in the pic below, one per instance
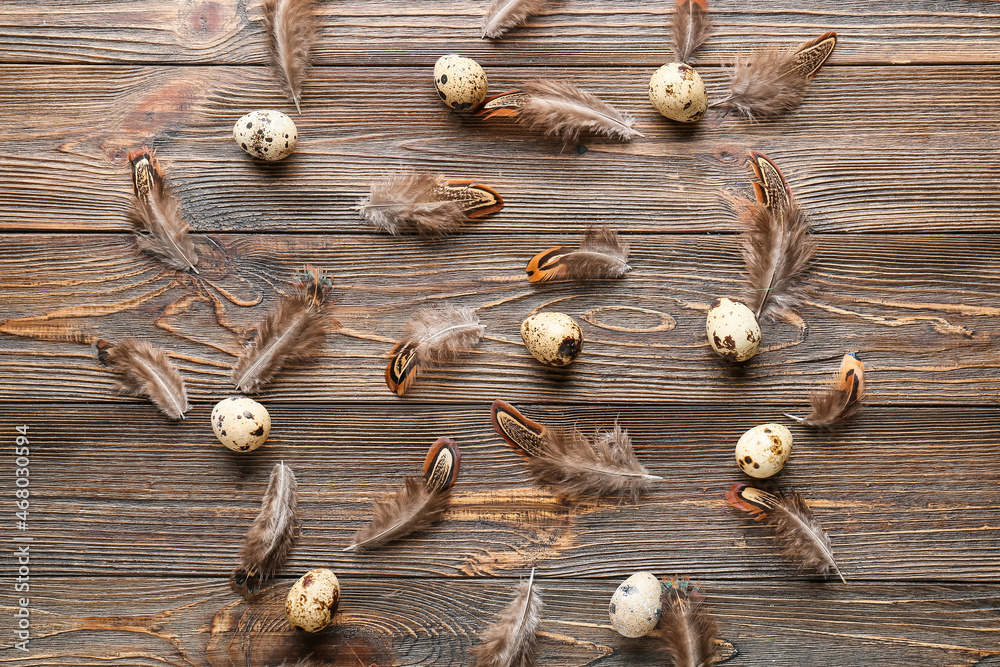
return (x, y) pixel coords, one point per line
(560, 109)
(291, 31)
(602, 254)
(512, 640)
(690, 26)
(506, 14)
(434, 336)
(160, 229)
(688, 631)
(146, 370)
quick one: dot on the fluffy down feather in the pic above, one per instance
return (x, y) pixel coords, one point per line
(688, 631)
(560, 109)
(146, 370)
(412, 202)
(512, 639)
(434, 336)
(506, 14)
(690, 26)
(291, 31)
(412, 508)
(602, 254)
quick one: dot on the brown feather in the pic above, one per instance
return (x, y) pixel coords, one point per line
(560, 109)
(410, 509)
(434, 336)
(291, 333)
(271, 535)
(686, 628)
(511, 641)
(842, 400)
(602, 254)
(690, 26)
(574, 465)
(160, 229)
(146, 370)
(291, 31)
(797, 532)
(506, 14)
(412, 202)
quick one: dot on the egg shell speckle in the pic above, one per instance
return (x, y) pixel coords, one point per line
(763, 450)
(240, 423)
(733, 331)
(677, 92)
(461, 83)
(635, 606)
(555, 339)
(268, 135)
(312, 601)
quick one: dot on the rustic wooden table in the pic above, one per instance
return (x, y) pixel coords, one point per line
(135, 521)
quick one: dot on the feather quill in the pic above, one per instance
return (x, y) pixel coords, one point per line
(690, 26)
(687, 630)
(560, 109)
(434, 336)
(511, 641)
(777, 246)
(292, 332)
(291, 31)
(842, 400)
(797, 532)
(602, 254)
(146, 370)
(160, 229)
(271, 535)
(410, 509)
(427, 204)
(506, 14)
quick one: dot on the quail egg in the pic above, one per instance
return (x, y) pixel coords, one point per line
(677, 92)
(763, 450)
(241, 424)
(312, 600)
(461, 82)
(733, 331)
(635, 606)
(268, 135)
(555, 339)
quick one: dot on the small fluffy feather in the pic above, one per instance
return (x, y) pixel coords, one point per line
(686, 628)
(511, 641)
(160, 229)
(410, 509)
(574, 465)
(602, 254)
(765, 85)
(291, 31)
(777, 249)
(146, 370)
(690, 26)
(560, 109)
(271, 535)
(291, 333)
(841, 400)
(412, 202)
(506, 14)
(434, 336)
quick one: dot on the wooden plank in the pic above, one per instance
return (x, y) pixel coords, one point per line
(593, 32)
(137, 622)
(900, 159)
(920, 309)
(905, 494)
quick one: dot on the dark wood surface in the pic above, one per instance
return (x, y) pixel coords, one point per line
(136, 521)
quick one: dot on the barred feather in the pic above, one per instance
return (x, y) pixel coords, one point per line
(512, 640)
(413, 508)
(602, 254)
(690, 26)
(146, 370)
(506, 14)
(434, 336)
(160, 229)
(688, 631)
(291, 31)
(842, 400)
(560, 109)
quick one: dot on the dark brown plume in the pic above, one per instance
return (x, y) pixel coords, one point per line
(434, 336)
(602, 254)
(146, 370)
(560, 109)
(690, 26)
(160, 229)
(685, 626)
(796, 530)
(426, 204)
(271, 535)
(291, 32)
(506, 14)
(512, 639)
(291, 333)
(842, 400)
(777, 246)
(412, 508)
(772, 82)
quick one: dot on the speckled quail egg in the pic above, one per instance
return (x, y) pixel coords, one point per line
(461, 82)
(555, 339)
(763, 450)
(733, 331)
(635, 606)
(240, 423)
(312, 600)
(677, 92)
(268, 135)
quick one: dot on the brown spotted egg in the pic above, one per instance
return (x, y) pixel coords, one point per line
(240, 423)
(461, 83)
(555, 339)
(733, 331)
(267, 135)
(677, 92)
(635, 606)
(763, 450)
(312, 601)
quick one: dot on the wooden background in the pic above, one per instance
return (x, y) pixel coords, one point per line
(136, 521)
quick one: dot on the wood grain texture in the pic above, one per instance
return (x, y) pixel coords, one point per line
(593, 32)
(872, 149)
